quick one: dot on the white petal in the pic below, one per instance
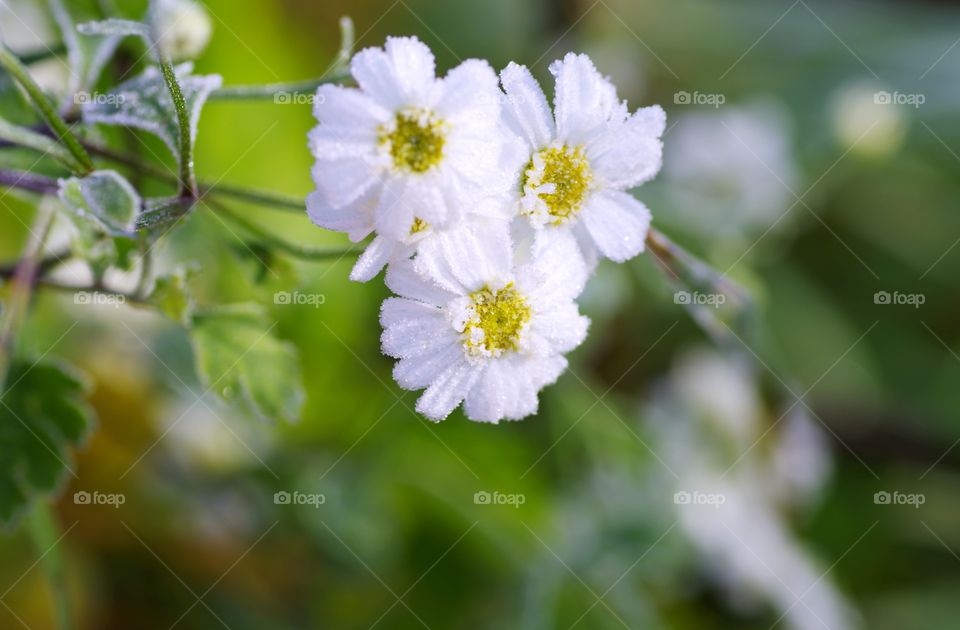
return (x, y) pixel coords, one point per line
(464, 260)
(395, 214)
(426, 333)
(563, 327)
(419, 372)
(470, 91)
(378, 253)
(343, 181)
(618, 224)
(403, 74)
(414, 66)
(556, 272)
(629, 154)
(403, 280)
(526, 109)
(348, 115)
(487, 400)
(448, 390)
(356, 219)
(584, 99)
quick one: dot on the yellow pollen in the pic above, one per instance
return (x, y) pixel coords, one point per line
(500, 315)
(419, 225)
(415, 140)
(569, 171)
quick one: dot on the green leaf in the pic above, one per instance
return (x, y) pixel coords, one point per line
(104, 207)
(158, 213)
(104, 199)
(86, 53)
(144, 102)
(42, 416)
(172, 296)
(238, 357)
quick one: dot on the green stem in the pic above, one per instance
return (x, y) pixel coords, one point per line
(84, 165)
(338, 72)
(276, 91)
(43, 529)
(20, 288)
(188, 181)
(293, 249)
(37, 56)
(29, 138)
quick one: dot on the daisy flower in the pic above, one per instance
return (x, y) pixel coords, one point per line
(406, 154)
(582, 156)
(471, 325)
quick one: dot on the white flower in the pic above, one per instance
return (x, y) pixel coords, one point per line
(407, 154)
(184, 28)
(583, 156)
(474, 326)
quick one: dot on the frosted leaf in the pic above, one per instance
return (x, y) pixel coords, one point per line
(145, 103)
(87, 53)
(104, 199)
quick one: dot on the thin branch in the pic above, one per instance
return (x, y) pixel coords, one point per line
(28, 181)
(281, 93)
(293, 249)
(84, 165)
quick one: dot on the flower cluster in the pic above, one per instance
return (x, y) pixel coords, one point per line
(489, 208)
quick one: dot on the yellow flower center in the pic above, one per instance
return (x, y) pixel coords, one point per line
(414, 140)
(568, 170)
(419, 225)
(500, 315)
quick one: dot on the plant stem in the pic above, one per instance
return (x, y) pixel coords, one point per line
(277, 91)
(293, 249)
(20, 288)
(84, 165)
(28, 181)
(41, 55)
(338, 72)
(29, 138)
(43, 529)
(188, 181)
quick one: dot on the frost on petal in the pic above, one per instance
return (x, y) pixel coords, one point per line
(631, 153)
(470, 91)
(356, 219)
(403, 74)
(395, 213)
(343, 181)
(617, 223)
(448, 390)
(464, 260)
(584, 98)
(526, 109)
(556, 271)
(563, 327)
(403, 280)
(379, 252)
(413, 66)
(419, 372)
(348, 122)
(412, 329)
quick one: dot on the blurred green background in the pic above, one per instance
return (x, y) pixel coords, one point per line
(783, 169)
